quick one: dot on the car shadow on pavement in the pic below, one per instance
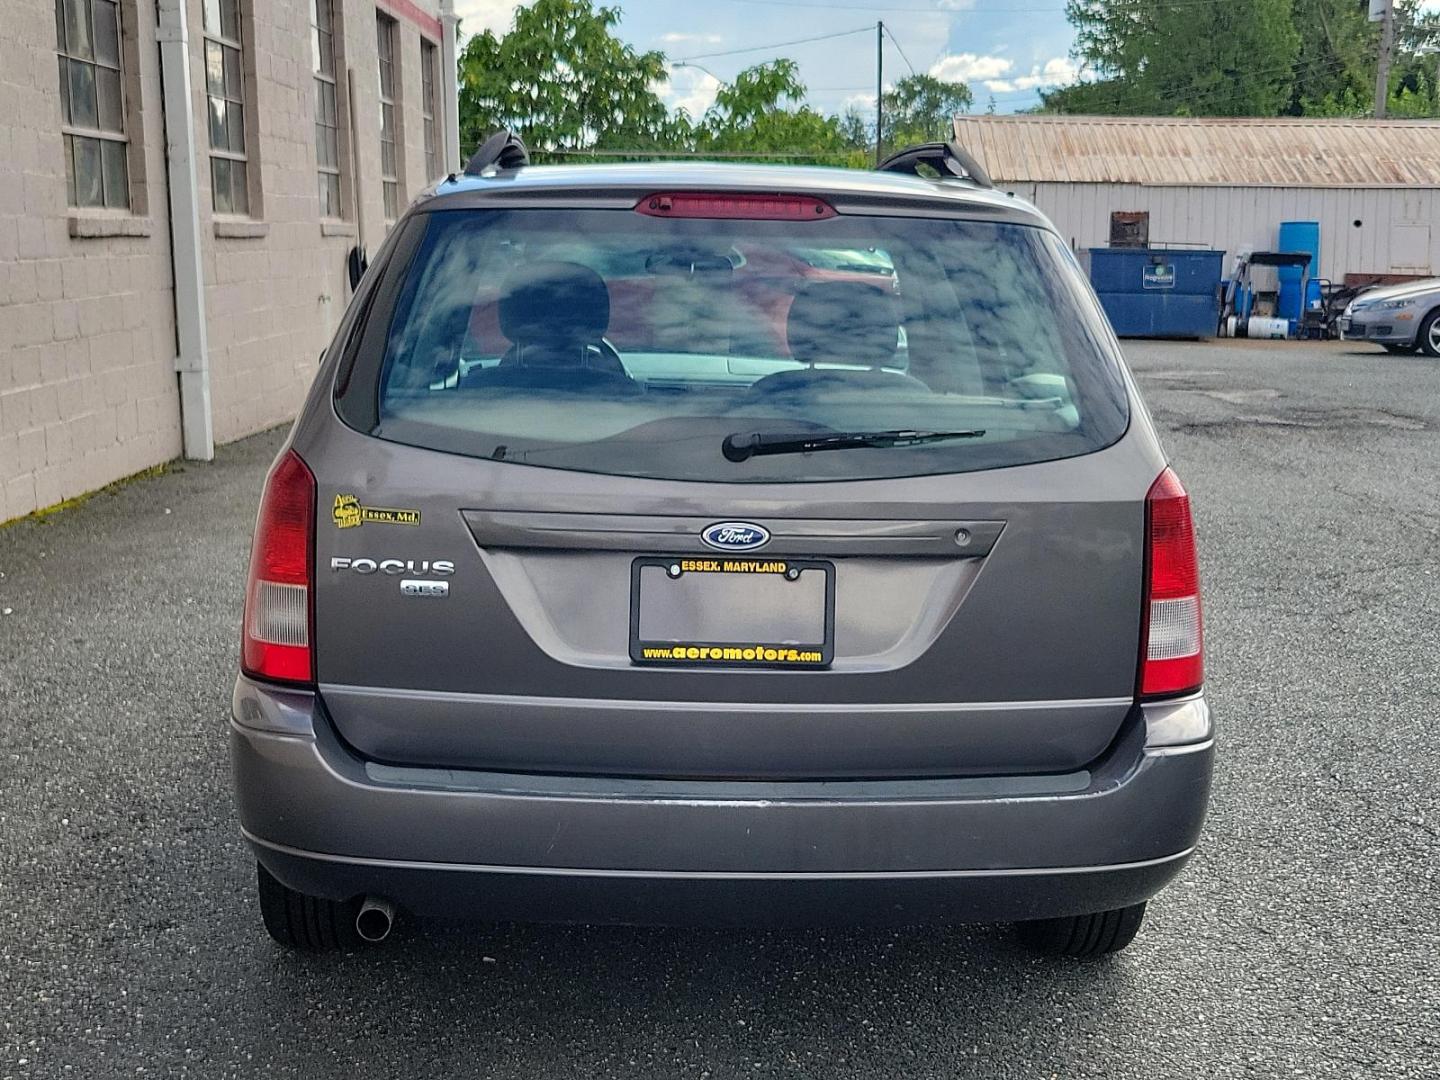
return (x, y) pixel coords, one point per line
(569, 1000)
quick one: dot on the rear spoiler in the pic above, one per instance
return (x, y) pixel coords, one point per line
(949, 159)
(502, 150)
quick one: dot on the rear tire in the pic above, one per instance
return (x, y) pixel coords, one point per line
(306, 923)
(1429, 340)
(1083, 935)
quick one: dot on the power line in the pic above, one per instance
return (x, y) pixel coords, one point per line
(775, 45)
(1167, 4)
(885, 8)
(1118, 97)
(1122, 94)
(838, 155)
(1132, 97)
(899, 48)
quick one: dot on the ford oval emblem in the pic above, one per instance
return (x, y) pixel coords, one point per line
(736, 536)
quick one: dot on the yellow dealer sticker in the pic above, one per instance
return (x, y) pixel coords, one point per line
(731, 566)
(733, 654)
(349, 514)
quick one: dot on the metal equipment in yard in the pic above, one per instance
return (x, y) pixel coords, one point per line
(1325, 300)
(1237, 315)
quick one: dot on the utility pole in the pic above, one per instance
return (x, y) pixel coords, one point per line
(879, 90)
(1387, 46)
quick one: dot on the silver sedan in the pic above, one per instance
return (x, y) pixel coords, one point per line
(1403, 318)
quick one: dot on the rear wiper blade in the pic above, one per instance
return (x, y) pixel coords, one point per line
(741, 446)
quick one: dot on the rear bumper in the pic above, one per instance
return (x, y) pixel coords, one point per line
(497, 845)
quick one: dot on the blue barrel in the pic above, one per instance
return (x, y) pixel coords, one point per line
(1296, 236)
(1158, 292)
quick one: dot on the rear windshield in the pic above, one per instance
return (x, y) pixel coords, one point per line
(851, 347)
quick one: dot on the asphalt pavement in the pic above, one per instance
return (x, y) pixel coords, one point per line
(1302, 941)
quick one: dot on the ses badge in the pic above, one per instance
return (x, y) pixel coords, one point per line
(417, 586)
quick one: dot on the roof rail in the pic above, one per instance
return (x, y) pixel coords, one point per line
(503, 150)
(949, 159)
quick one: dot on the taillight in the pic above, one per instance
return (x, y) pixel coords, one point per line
(276, 640)
(1172, 658)
(753, 207)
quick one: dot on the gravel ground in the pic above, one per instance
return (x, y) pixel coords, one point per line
(1302, 941)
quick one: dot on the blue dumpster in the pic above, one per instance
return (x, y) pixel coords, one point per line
(1158, 292)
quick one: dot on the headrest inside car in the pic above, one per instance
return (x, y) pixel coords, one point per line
(554, 303)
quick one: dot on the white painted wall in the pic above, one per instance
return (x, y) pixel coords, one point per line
(1399, 229)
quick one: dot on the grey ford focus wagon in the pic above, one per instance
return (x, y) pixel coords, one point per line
(722, 544)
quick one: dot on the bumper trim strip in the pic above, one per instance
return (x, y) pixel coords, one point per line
(710, 875)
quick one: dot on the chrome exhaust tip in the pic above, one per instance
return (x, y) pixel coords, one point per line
(374, 920)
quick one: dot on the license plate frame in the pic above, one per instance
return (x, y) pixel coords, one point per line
(807, 656)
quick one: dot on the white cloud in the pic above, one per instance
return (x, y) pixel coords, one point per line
(1056, 72)
(675, 38)
(477, 16)
(690, 89)
(997, 74)
(967, 67)
(1059, 71)
(955, 5)
(862, 104)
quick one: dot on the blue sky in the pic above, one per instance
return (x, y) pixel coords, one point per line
(1005, 47)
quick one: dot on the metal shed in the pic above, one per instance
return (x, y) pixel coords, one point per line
(1374, 186)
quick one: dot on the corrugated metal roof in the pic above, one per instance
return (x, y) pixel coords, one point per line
(1178, 150)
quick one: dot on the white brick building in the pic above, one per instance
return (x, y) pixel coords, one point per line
(297, 130)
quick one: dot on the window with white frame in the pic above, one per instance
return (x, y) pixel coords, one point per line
(225, 96)
(389, 159)
(324, 45)
(92, 105)
(430, 107)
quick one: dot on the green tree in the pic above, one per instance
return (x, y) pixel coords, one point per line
(1101, 97)
(1336, 61)
(1160, 58)
(921, 108)
(563, 80)
(857, 129)
(1335, 73)
(763, 112)
(1415, 76)
(1269, 58)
